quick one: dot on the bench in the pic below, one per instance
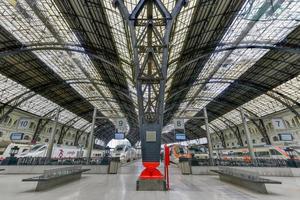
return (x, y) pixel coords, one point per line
(53, 177)
(244, 178)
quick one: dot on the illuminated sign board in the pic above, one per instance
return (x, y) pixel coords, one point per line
(119, 136)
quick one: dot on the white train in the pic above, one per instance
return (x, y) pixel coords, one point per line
(22, 148)
(262, 152)
(40, 150)
(125, 152)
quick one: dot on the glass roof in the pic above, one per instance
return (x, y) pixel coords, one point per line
(265, 104)
(258, 23)
(46, 25)
(37, 104)
(121, 36)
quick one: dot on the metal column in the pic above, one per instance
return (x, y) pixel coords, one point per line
(91, 137)
(150, 58)
(248, 137)
(210, 149)
(52, 137)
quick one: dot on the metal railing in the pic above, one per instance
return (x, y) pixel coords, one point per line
(52, 173)
(63, 161)
(242, 163)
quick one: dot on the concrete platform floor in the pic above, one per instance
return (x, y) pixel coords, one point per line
(122, 187)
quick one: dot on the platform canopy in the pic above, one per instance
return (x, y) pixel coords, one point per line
(77, 55)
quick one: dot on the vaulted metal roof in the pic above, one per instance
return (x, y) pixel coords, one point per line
(77, 55)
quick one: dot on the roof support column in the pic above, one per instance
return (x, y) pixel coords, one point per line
(248, 136)
(210, 149)
(150, 38)
(91, 137)
(52, 137)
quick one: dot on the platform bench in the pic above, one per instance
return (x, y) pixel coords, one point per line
(54, 177)
(244, 178)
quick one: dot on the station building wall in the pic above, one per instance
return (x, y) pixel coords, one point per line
(291, 121)
(10, 124)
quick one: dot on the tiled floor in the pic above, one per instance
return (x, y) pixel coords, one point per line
(122, 187)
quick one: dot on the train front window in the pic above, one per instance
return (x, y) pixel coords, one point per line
(36, 147)
(274, 152)
(119, 148)
(43, 148)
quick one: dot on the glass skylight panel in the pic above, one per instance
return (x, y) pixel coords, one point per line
(181, 27)
(259, 24)
(264, 105)
(291, 88)
(120, 38)
(10, 89)
(27, 27)
(37, 104)
(219, 124)
(118, 29)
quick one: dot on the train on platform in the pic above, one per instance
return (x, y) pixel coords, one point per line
(125, 152)
(200, 152)
(178, 151)
(40, 150)
(260, 152)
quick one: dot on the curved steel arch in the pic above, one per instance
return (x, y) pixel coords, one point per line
(251, 85)
(60, 47)
(208, 53)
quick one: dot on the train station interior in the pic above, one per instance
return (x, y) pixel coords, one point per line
(149, 99)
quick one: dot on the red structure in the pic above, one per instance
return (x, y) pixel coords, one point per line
(151, 171)
(167, 163)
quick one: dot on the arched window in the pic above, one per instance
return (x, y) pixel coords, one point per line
(67, 143)
(297, 121)
(253, 141)
(32, 125)
(287, 124)
(9, 122)
(6, 119)
(46, 140)
(275, 138)
(26, 137)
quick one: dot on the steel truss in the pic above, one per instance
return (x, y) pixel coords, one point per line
(150, 37)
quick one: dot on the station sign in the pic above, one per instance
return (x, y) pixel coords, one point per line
(119, 136)
(180, 136)
(150, 136)
(278, 124)
(285, 136)
(23, 123)
(121, 125)
(178, 123)
(16, 136)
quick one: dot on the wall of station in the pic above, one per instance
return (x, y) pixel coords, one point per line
(13, 124)
(291, 125)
